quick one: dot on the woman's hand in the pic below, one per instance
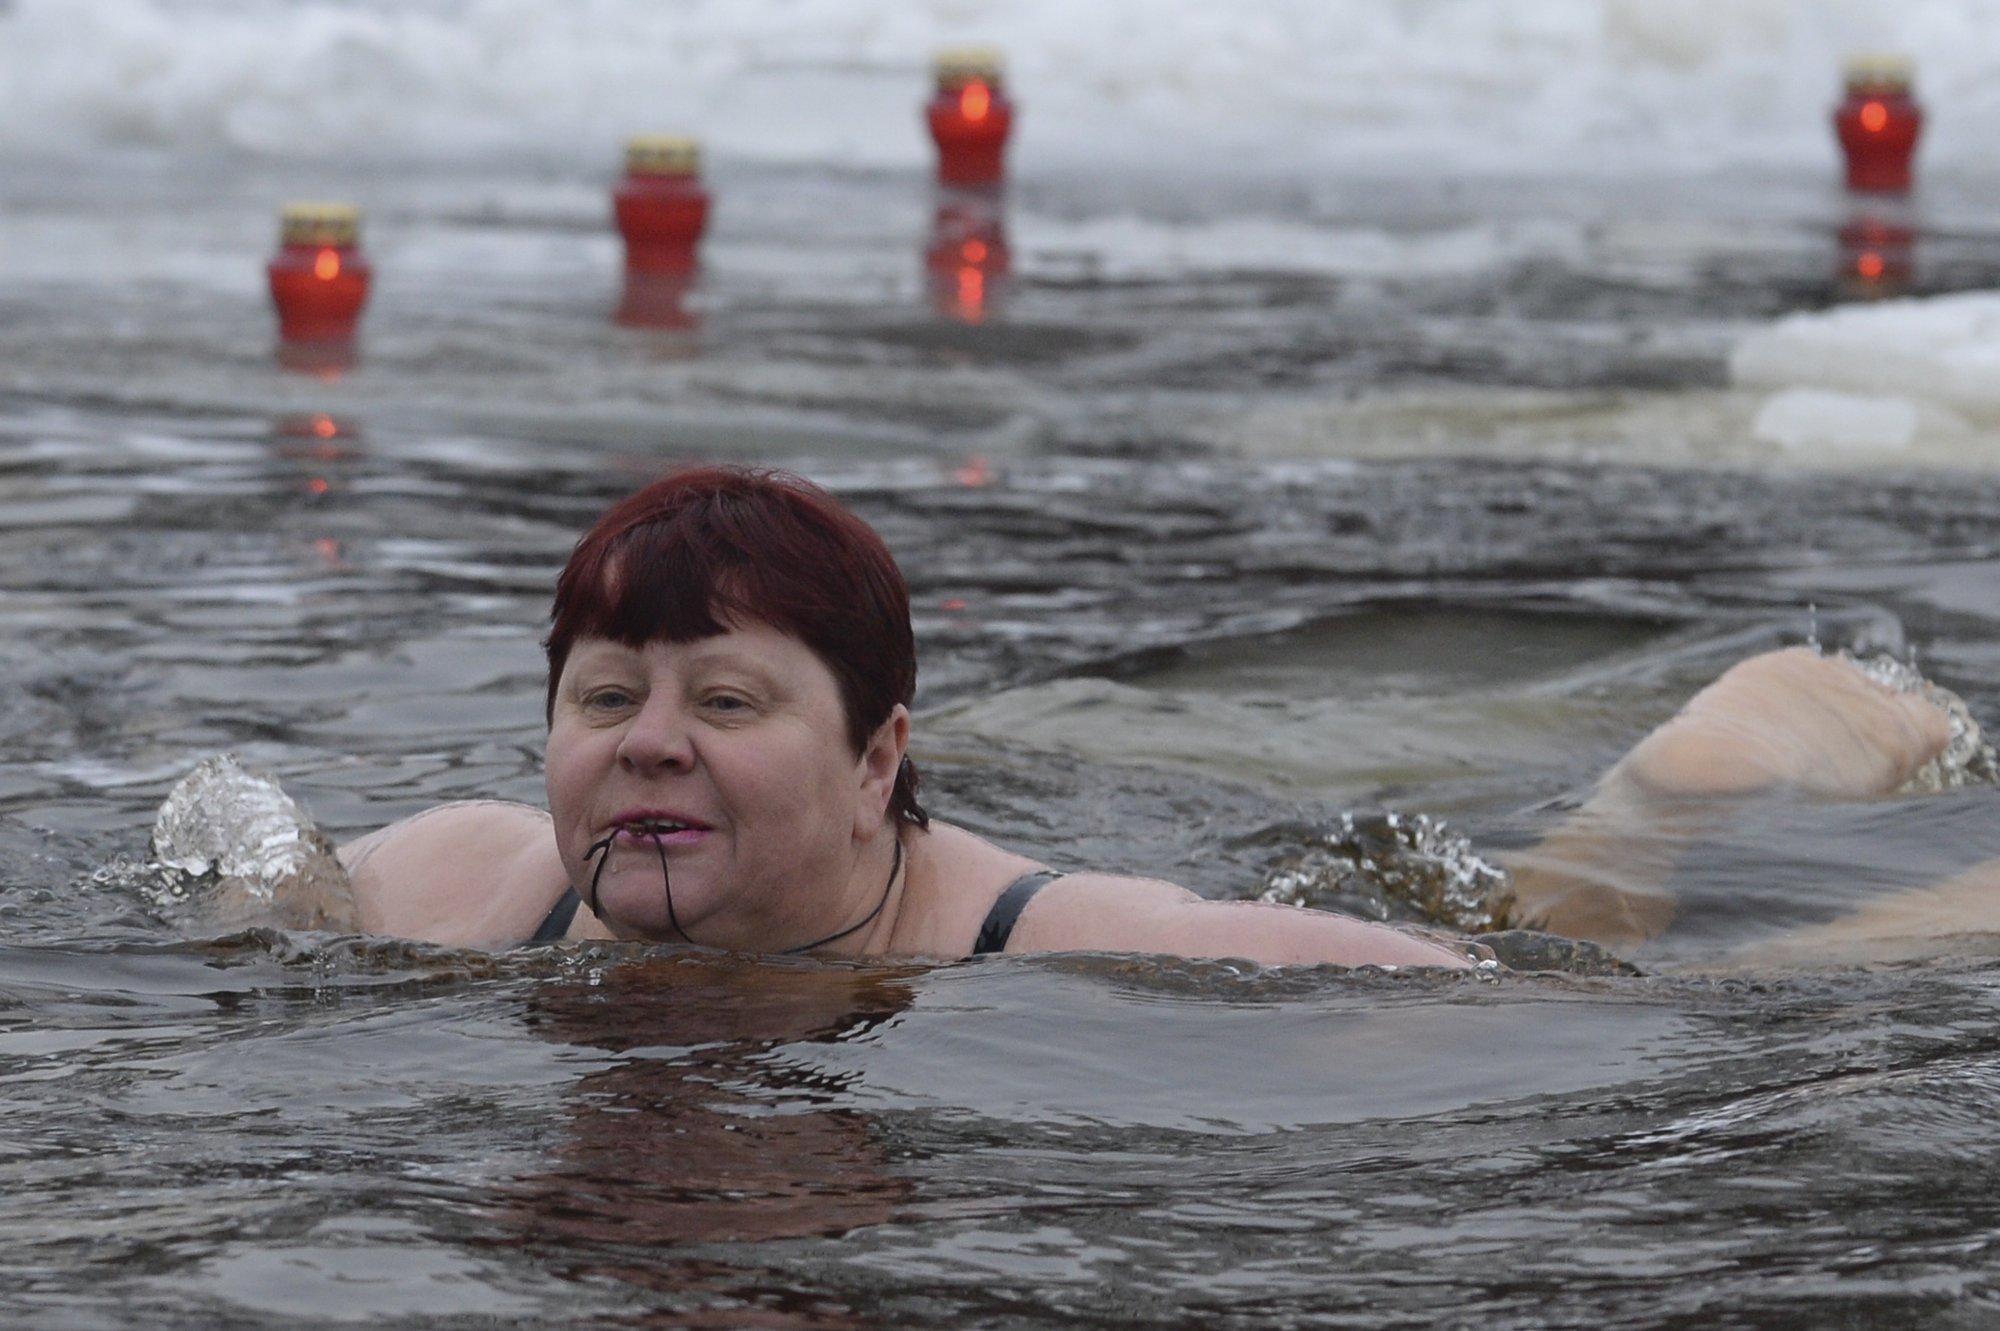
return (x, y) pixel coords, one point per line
(1789, 719)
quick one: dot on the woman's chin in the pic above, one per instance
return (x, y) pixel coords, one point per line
(640, 912)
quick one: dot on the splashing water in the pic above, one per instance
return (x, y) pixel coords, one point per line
(1967, 760)
(1397, 864)
(231, 848)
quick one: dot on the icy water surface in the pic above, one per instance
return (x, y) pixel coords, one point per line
(1140, 649)
(1183, 667)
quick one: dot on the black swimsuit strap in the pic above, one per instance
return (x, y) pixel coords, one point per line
(557, 924)
(993, 934)
(1000, 920)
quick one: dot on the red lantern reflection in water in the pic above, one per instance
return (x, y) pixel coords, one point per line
(322, 445)
(967, 260)
(657, 300)
(1877, 254)
(317, 436)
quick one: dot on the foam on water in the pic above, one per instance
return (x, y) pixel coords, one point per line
(1264, 85)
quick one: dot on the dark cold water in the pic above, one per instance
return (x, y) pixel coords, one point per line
(1141, 648)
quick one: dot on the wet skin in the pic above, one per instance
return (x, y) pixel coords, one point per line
(721, 770)
(730, 754)
(1790, 720)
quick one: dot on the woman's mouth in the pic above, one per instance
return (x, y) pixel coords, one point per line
(659, 830)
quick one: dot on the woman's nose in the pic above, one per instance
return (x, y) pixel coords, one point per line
(658, 738)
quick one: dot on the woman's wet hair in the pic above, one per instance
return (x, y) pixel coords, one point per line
(704, 549)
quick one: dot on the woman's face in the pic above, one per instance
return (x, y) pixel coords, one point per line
(742, 741)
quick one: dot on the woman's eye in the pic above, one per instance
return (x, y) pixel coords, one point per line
(726, 702)
(607, 700)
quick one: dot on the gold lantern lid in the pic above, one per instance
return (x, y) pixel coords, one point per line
(313, 222)
(967, 64)
(662, 155)
(1878, 71)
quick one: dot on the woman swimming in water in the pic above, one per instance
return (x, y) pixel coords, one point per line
(731, 668)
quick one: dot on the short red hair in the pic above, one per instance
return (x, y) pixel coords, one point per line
(697, 549)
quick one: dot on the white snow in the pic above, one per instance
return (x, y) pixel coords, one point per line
(1805, 419)
(1943, 348)
(1278, 85)
(1880, 378)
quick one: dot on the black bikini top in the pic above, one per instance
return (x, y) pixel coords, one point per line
(556, 924)
(993, 934)
(999, 924)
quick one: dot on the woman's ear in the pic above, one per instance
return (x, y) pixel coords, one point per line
(880, 762)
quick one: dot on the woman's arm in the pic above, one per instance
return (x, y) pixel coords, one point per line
(1104, 913)
(477, 874)
(1960, 915)
(1789, 720)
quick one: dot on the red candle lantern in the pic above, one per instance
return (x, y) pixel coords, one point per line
(967, 260)
(319, 281)
(661, 206)
(970, 117)
(1878, 122)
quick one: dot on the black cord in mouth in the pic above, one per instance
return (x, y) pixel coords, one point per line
(600, 850)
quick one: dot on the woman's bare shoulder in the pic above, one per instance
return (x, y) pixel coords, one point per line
(962, 873)
(1091, 911)
(480, 873)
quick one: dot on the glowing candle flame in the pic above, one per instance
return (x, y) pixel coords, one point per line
(326, 265)
(1869, 266)
(1874, 117)
(974, 101)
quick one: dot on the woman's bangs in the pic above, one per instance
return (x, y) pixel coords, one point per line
(657, 586)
